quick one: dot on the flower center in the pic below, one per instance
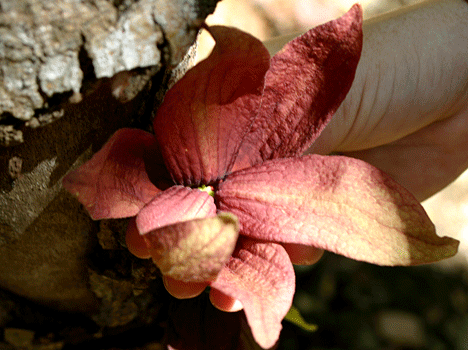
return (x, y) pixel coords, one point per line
(207, 189)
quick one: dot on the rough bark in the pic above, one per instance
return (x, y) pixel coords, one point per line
(72, 72)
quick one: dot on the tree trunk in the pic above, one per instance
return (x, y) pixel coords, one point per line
(73, 72)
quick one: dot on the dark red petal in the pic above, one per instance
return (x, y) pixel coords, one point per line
(207, 113)
(306, 83)
(261, 276)
(335, 203)
(175, 204)
(114, 182)
(195, 250)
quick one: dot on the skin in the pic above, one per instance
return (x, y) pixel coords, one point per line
(406, 113)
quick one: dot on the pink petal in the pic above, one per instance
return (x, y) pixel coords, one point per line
(207, 113)
(306, 83)
(195, 250)
(339, 204)
(173, 205)
(261, 276)
(114, 182)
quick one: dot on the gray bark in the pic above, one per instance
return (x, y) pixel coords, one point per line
(72, 72)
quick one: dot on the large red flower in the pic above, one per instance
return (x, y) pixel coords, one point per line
(223, 185)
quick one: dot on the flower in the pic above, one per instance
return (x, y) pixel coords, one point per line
(223, 185)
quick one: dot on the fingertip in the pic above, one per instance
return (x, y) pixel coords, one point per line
(224, 302)
(183, 290)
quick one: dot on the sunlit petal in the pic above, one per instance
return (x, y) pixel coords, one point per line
(261, 277)
(195, 250)
(173, 205)
(335, 203)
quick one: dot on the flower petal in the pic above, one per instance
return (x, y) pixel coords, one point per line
(207, 113)
(306, 83)
(340, 204)
(184, 290)
(174, 205)
(114, 182)
(224, 302)
(261, 276)
(195, 250)
(135, 242)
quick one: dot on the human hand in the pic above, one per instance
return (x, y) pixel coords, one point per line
(407, 111)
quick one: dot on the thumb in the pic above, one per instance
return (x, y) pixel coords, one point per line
(413, 72)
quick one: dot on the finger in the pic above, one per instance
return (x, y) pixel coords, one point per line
(426, 161)
(183, 290)
(224, 302)
(302, 254)
(412, 72)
